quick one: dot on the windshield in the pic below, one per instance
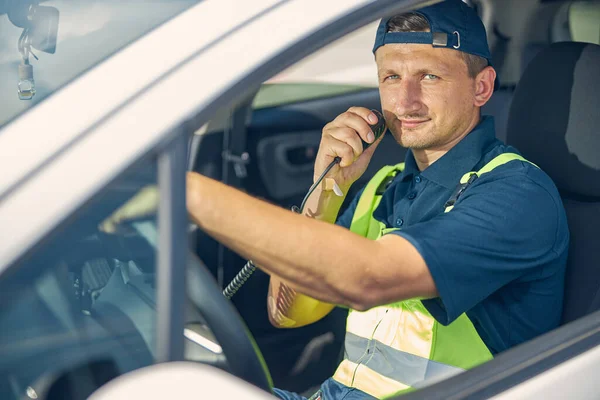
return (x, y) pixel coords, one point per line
(45, 46)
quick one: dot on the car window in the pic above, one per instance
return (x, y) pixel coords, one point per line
(341, 67)
(45, 46)
(276, 94)
(584, 21)
(83, 296)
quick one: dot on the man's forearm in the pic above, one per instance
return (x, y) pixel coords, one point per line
(322, 260)
(298, 257)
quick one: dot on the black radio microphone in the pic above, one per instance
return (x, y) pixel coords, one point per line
(378, 130)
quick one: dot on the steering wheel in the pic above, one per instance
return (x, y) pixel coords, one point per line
(241, 352)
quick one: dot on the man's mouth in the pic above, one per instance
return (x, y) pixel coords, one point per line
(412, 123)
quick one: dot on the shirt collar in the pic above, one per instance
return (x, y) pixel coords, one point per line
(410, 166)
(460, 159)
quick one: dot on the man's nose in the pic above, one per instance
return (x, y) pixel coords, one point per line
(409, 97)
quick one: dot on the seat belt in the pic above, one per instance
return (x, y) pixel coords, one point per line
(234, 171)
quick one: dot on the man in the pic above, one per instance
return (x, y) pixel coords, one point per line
(445, 260)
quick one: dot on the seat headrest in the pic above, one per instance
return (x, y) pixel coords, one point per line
(559, 29)
(554, 119)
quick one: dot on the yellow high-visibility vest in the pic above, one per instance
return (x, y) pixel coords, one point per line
(399, 347)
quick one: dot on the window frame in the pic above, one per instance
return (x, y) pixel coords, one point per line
(172, 250)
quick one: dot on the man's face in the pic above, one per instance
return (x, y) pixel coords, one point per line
(426, 94)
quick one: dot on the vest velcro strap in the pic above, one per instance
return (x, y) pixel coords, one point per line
(449, 205)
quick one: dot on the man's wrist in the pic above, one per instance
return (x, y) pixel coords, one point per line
(326, 203)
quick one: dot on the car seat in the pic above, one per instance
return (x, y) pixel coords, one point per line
(554, 121)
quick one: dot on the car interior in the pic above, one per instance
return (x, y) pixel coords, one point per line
(82, 306)
(281, 142)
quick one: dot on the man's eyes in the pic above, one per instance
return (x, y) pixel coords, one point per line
(430, 77)
(426, 77)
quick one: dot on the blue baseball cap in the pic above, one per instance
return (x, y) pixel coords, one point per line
(453, 25)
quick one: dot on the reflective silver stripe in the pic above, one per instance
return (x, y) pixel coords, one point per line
(398, 365)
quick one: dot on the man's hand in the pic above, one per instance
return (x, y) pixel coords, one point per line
(342, 138)
(144, 203)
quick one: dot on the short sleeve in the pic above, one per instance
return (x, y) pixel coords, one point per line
(504, 227)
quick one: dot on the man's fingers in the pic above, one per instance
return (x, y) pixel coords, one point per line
(108, 226)
(359, 122)
(373, 146)
(348, 136)
(144, 203)
(342, 150)
(345, 137)
(369, 117)
(348, 131)
(365, 114)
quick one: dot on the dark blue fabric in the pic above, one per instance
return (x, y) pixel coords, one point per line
(330, 390)
(448, 16)
(500, 254)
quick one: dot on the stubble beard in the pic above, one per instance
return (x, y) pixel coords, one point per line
(416, 141)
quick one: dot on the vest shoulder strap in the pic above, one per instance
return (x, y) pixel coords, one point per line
(469, 177)
(370, 197)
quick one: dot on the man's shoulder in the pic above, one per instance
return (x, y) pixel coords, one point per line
(521, 189)
(516, 170)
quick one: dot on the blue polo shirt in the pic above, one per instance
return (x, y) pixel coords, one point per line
(500, 254)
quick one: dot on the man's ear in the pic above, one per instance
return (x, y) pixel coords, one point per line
(484, 85)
